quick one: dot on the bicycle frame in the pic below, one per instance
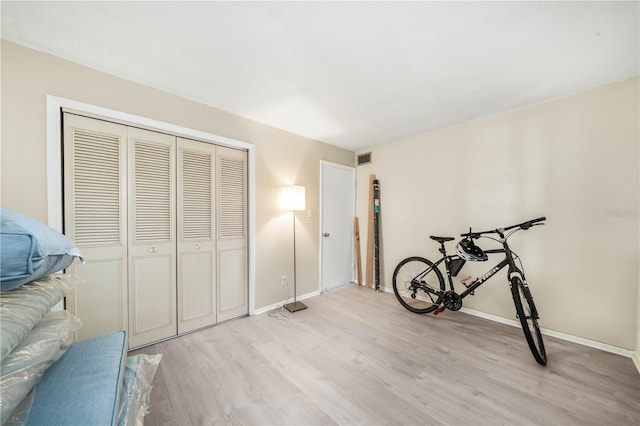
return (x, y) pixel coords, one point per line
(507, 261)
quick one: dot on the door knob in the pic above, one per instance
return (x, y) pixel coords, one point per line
(326, 234)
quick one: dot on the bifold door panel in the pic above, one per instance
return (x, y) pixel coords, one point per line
(95, 195)
(152, 236)
(196, 244)
(232, 233)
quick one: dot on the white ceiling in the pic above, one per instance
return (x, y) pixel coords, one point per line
(353, 74)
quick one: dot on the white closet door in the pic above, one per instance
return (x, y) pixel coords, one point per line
(196, 243)
(152, 236)
(95, 173)
(232, 233)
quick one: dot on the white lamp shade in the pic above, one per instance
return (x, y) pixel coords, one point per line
(292, 198)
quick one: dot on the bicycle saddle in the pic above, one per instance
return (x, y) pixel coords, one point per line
(440, 239)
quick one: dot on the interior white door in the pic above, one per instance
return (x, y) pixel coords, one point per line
(152, 236)
(337, 212)
(95, 173)
(233, 290)
(196, 243)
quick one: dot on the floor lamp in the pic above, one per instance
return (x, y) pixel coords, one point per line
(293, 199)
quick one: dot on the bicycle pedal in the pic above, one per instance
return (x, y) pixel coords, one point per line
(438, 310)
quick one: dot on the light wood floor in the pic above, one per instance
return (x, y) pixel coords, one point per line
(358, 357)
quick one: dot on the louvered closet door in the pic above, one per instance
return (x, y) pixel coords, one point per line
(95, 173)
(152, 237)
(196, 244)
(232, 233)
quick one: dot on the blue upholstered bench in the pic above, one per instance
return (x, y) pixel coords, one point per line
(83, 387)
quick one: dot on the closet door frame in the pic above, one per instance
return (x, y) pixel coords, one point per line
(55, 107)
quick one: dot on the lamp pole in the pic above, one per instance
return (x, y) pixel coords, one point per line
(295, 306)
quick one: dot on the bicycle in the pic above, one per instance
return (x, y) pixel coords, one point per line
(419, 285)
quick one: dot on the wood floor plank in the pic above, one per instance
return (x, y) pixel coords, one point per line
(357, 357)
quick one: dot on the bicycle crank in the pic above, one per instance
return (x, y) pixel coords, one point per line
(451, 300)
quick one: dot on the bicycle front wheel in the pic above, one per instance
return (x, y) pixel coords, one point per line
(528, 316)
(418, 285)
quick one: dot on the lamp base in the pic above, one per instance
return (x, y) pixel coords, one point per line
(295, 306)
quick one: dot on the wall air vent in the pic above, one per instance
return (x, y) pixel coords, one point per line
(364, 158)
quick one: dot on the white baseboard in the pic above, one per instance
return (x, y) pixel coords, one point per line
(279, 304)
(568, 337)
(636, 359)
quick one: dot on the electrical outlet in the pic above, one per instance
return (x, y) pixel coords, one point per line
(284, 280)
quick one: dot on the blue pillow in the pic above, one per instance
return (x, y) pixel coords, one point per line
(83, 387)
(30, 250)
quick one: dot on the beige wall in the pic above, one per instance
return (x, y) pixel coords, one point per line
(573, 159)
(281, 158)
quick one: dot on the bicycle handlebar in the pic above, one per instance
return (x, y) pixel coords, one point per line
(524, 225)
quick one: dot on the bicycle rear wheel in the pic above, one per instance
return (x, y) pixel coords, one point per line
(528, 316)
(418, 285)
